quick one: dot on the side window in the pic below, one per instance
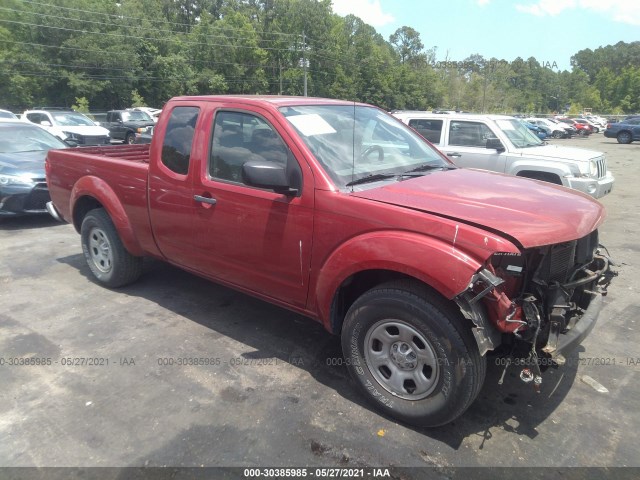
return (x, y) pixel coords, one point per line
(469, 134)
(176, 149)
(242, 137)
(429, 129)
(33, 117)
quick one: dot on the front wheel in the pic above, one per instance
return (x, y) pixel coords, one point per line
(412, 354)
(130, 138)
(111, 264)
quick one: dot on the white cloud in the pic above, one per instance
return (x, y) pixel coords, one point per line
(624, 11)
(370, 11)
(547, 7)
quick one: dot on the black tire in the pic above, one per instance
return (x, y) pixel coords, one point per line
(130, 138)
(111, 264)
(558, 134)
(436, 377)
(624, 137)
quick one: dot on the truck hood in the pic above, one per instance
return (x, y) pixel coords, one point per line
(530, 212)
(556, 152)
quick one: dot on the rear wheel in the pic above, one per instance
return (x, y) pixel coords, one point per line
(111, 264)
(624, 137)
(412, 354)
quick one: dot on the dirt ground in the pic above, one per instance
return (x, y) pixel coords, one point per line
(262, 386)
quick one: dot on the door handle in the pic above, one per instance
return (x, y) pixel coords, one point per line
(454, 154)
(209, 200)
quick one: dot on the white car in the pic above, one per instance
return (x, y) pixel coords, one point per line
(67, 124)
(7, 115)
(154, 113)
(502, 144)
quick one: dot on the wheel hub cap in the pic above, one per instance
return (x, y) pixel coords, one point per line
(403, 356)
(100, 250)
(401, 359)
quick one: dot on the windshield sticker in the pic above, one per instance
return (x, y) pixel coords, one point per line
(505, 125)
(311, 124)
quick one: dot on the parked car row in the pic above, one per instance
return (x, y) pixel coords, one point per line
(491, 142)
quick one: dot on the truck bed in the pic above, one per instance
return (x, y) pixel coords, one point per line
(104, 173)
(134, 153)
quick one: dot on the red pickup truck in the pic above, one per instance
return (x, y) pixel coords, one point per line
(338, 211)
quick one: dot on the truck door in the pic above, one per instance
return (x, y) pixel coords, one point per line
(252, 237)
(172, 166)
(115, 126)
(466, 146)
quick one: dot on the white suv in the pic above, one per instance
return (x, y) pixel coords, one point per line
(503, 144)
(69, 125)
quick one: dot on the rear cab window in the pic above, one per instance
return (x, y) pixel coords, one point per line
(178, 138)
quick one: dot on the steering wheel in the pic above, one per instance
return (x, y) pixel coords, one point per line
(371, 149)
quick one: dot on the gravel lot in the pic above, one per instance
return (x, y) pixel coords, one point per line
(266, 389)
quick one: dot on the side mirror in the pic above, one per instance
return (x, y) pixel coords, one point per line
(45, 123)
(495, 144)
(71, 143)
(264, 174)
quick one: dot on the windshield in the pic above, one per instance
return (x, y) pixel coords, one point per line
(72, 119)
(136, 117)
(353, 143)
(519, 134)
(26, 138)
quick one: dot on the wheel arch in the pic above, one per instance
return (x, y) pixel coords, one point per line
(342, 279)
(551, 177)
(92, 192)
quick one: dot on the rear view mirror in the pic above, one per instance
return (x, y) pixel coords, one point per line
(264, 174)
(495, 144)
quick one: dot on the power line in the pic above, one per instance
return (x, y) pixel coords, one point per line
(93, 12)
(120, 35)
(119, 25)
(237, 80)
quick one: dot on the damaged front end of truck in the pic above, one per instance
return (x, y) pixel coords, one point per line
(539, 304)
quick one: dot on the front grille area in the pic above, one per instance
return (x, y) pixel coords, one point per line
(95, 140)
(559, 262)
(601, 162)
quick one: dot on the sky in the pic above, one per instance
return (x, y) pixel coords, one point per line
(551, 31)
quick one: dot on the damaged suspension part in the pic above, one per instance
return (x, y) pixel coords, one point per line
(533, 316)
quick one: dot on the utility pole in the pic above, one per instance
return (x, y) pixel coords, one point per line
(304, 61)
